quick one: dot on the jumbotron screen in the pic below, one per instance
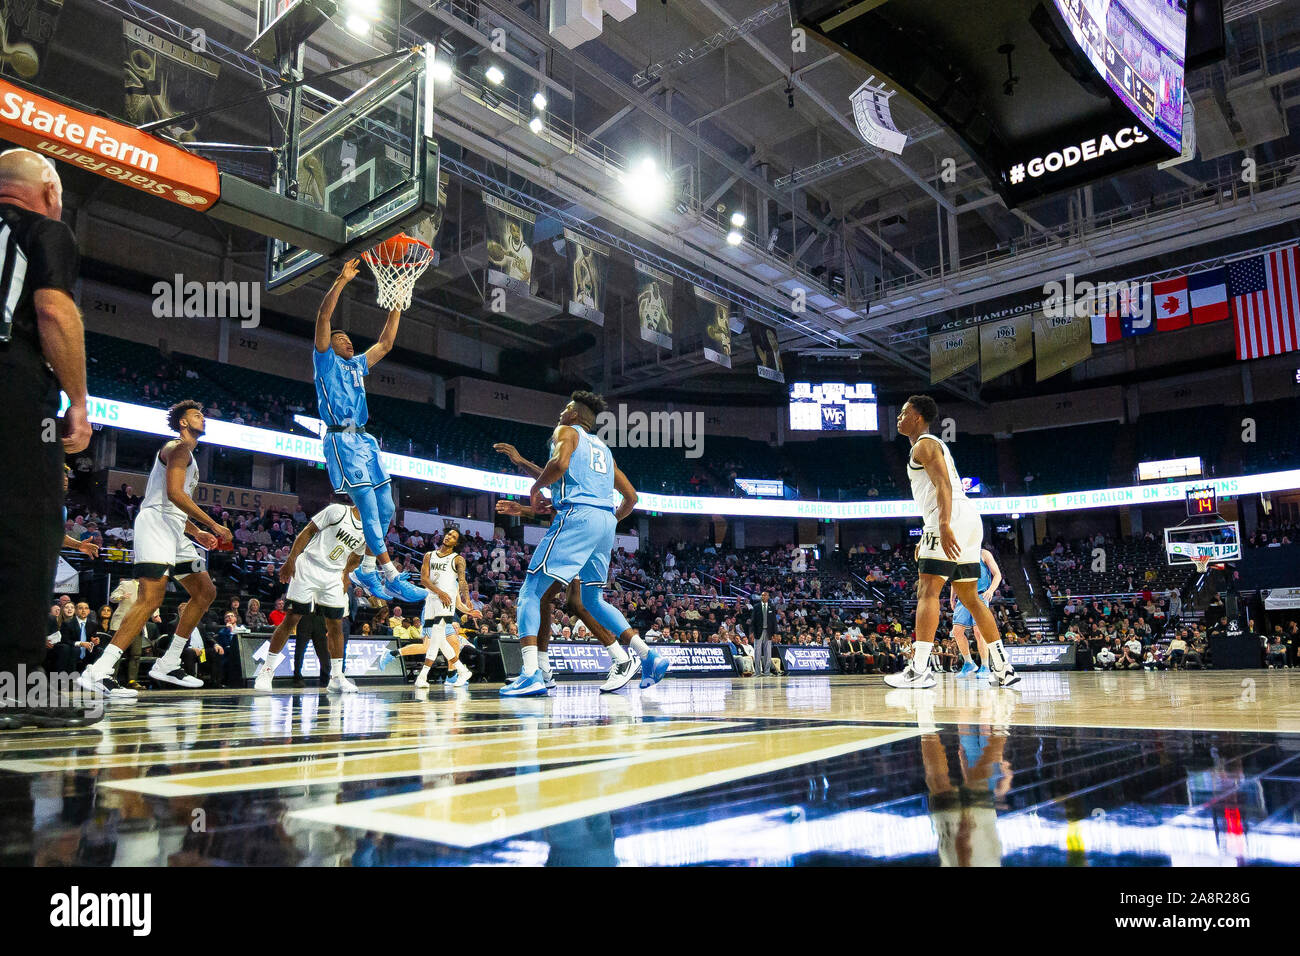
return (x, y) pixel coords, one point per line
(832, 407)
(1138, 48)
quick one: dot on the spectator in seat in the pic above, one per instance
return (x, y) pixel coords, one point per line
(277, 613)
(1276, 656)
(254, 619)
(1106, 658)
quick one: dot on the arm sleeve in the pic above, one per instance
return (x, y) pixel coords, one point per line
(52, 256)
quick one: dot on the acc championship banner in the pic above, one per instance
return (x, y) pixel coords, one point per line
(954, 347)
(575, 660)
(1060, 342)
(28, 26)
(509, 243)
(654, 296)
(163, 78)
(153, 421)
(767, 353)
(588, 274)
(713, 317)
(1005, 344)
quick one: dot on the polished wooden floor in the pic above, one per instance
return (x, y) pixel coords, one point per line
(1076, 768)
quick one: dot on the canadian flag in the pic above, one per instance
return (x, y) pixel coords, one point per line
(1169, 301)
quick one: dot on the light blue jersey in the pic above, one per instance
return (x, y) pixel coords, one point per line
(589, 479)
(961, 615)
(340, 387)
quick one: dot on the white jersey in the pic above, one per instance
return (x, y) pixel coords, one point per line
(338, 537)
(155, 492)
(925, 494)
(442, 572)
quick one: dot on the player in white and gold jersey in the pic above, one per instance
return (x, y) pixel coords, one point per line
(323, 554)
(443, 576)
(951, 540)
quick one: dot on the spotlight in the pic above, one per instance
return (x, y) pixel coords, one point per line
(682, 209)
(535, 124)
(442, 70)
(646, 185)
(494, 75)
(772, 238)
(539, 101)
(734, 238)
(737, 219)
(368, 8)
(358, 25)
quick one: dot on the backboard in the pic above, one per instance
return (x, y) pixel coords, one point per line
(372, 161)
(1218, 540)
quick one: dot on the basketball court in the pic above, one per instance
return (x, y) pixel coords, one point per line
(501, 216)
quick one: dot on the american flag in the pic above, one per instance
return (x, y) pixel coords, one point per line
(1265, 295)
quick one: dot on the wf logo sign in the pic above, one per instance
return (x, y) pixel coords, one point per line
(833, 416)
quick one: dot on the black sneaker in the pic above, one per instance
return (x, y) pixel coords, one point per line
(57, 716)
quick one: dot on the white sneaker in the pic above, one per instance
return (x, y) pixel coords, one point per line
(90, 680)
(421, 681)
(177, 677)
(1008, 677)
(619, 675)
(265, 681)
(910, 678)
(340, 685)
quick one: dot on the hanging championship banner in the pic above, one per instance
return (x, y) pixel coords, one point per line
(713, 315)
(654, 296)
(1005, 344)
(954, 347)
(767, 353)
(509, 245)
(163, 78)
(1060, 343)
(588, 273)
(28, 26)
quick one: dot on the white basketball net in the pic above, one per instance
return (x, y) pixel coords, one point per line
(397, 265)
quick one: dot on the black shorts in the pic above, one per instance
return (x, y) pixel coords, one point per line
(327, 612)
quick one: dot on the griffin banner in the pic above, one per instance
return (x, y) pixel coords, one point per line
(588, 272)
(954, 347)
(1005, 344)
(163, 78)
(654, 296)
(714, 316)
(27, 27)
(509, 244)
(1060, 343)
(767, 353)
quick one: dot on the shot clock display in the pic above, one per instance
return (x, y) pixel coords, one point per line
(1202, 502)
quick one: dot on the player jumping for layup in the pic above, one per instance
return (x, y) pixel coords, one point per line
(583, 477)
(167, 514)
(950, 548)
(317, 571)
(352, 455)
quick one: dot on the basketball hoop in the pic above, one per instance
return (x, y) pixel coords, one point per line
(397, 263)
(1202, 562)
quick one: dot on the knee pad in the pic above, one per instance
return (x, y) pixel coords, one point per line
(367, 504)
(528, 606)
(606, 615)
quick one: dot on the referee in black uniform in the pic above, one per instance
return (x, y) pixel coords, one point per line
(43, 349)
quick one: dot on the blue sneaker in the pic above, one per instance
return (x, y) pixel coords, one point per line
(968, 670)
(457, 679)
(384, 658)
(654, 668)
(372, 583)
(526, 685)
(982, 673)
(406, 591)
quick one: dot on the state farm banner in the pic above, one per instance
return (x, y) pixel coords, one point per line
(163, 78)
(1005, 344)
(588, 275)
(107, 148)
(1060, 342)
(954, 347)
(654, 296)
(713, 315)
(28, 26)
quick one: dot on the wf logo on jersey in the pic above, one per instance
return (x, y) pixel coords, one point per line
(833, 417)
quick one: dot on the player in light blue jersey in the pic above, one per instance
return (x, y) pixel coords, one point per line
(351, 453)
(582, 477)
(962, 621)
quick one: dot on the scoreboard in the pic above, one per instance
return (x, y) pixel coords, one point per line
(833, 406)
(1202, 502)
